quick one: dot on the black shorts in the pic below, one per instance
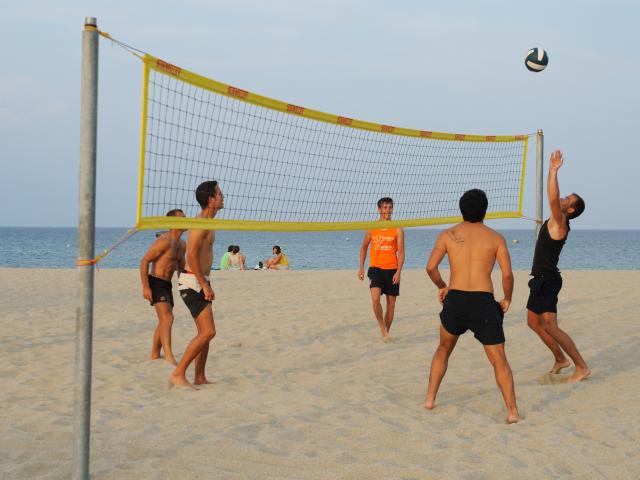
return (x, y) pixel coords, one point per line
(160, 290)
(475, 311)
(194, 301)
(543, 294)
(383, 279)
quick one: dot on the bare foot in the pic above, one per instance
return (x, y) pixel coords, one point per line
(512, 418)
(155, 356)
(429, 404)
(559, 366)
(171, 360)
(180, 381)
(579, 374)
(387, 339)
(202, 381)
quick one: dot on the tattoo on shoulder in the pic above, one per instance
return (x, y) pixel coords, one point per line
(456, 237)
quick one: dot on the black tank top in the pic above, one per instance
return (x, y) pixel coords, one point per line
(547, 253)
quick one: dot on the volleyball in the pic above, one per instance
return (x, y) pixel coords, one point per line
(536, 60)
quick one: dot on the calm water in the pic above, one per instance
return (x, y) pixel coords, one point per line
(56, 248)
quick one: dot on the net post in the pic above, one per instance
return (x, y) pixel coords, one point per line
(86, 245)
(539, 178)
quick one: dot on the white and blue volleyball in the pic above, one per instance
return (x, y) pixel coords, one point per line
(536, 60)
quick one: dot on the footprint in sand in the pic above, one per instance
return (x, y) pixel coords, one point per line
(553, 379)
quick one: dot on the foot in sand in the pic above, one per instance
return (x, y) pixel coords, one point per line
(559, 366)
(387, 339)
(429, 404)
(578, 375)
(202, 381)
(512, 417)
(171, 360)
(176, 380)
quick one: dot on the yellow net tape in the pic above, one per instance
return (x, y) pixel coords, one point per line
(284, 167)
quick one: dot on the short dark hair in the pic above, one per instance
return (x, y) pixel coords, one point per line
(236, 249)
(384, 200)
(204, 191)
(230, 248)
(578, 207)
(174, 212)
(277, 249)
(473, 205)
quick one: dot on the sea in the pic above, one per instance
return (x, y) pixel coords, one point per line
(22, 247)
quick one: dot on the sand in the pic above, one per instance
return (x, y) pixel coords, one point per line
(305, 389)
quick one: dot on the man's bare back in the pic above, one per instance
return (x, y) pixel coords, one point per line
(468, 301)
(472, 249)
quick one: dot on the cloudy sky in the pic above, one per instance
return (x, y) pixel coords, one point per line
(441, 66)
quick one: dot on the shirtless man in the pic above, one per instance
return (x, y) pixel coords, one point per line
(385, 265)
(196, 290)
(468, 302)
(546, 283)
(166, 256)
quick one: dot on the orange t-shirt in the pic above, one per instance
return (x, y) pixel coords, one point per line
(384, 246)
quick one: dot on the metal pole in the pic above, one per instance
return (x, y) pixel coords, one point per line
(539, 178)
(86, 241)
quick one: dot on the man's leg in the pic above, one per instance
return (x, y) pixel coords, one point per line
(389, 313)
(201, 358)
(376, 293)
(550, 322)
(504, 379)
(439, 365)
(156, 345)
(162, 335)
(536, 324)
(206, 331)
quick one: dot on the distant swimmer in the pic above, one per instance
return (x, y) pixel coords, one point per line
(195, 288)
(385, 266)
(468, 302)
(544, 287)
(166, 256)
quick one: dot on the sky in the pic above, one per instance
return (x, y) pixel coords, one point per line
(441, 66)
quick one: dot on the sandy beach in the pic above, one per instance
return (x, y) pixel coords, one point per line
(305, 389)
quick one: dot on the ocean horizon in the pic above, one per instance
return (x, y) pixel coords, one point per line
(56, 247)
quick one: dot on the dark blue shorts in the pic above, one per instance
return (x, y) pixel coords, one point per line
(475, 311)
(543, 294)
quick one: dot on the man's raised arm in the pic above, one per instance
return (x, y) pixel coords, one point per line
(553, 189)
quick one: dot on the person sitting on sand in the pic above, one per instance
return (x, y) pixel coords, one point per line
(468, 302)
(542, 316)
(236, 259)
(224, 261)
(166, 256)
(279, 261)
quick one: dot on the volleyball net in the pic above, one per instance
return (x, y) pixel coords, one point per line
(284, 167)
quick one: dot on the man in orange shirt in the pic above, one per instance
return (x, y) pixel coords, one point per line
(385, 265)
